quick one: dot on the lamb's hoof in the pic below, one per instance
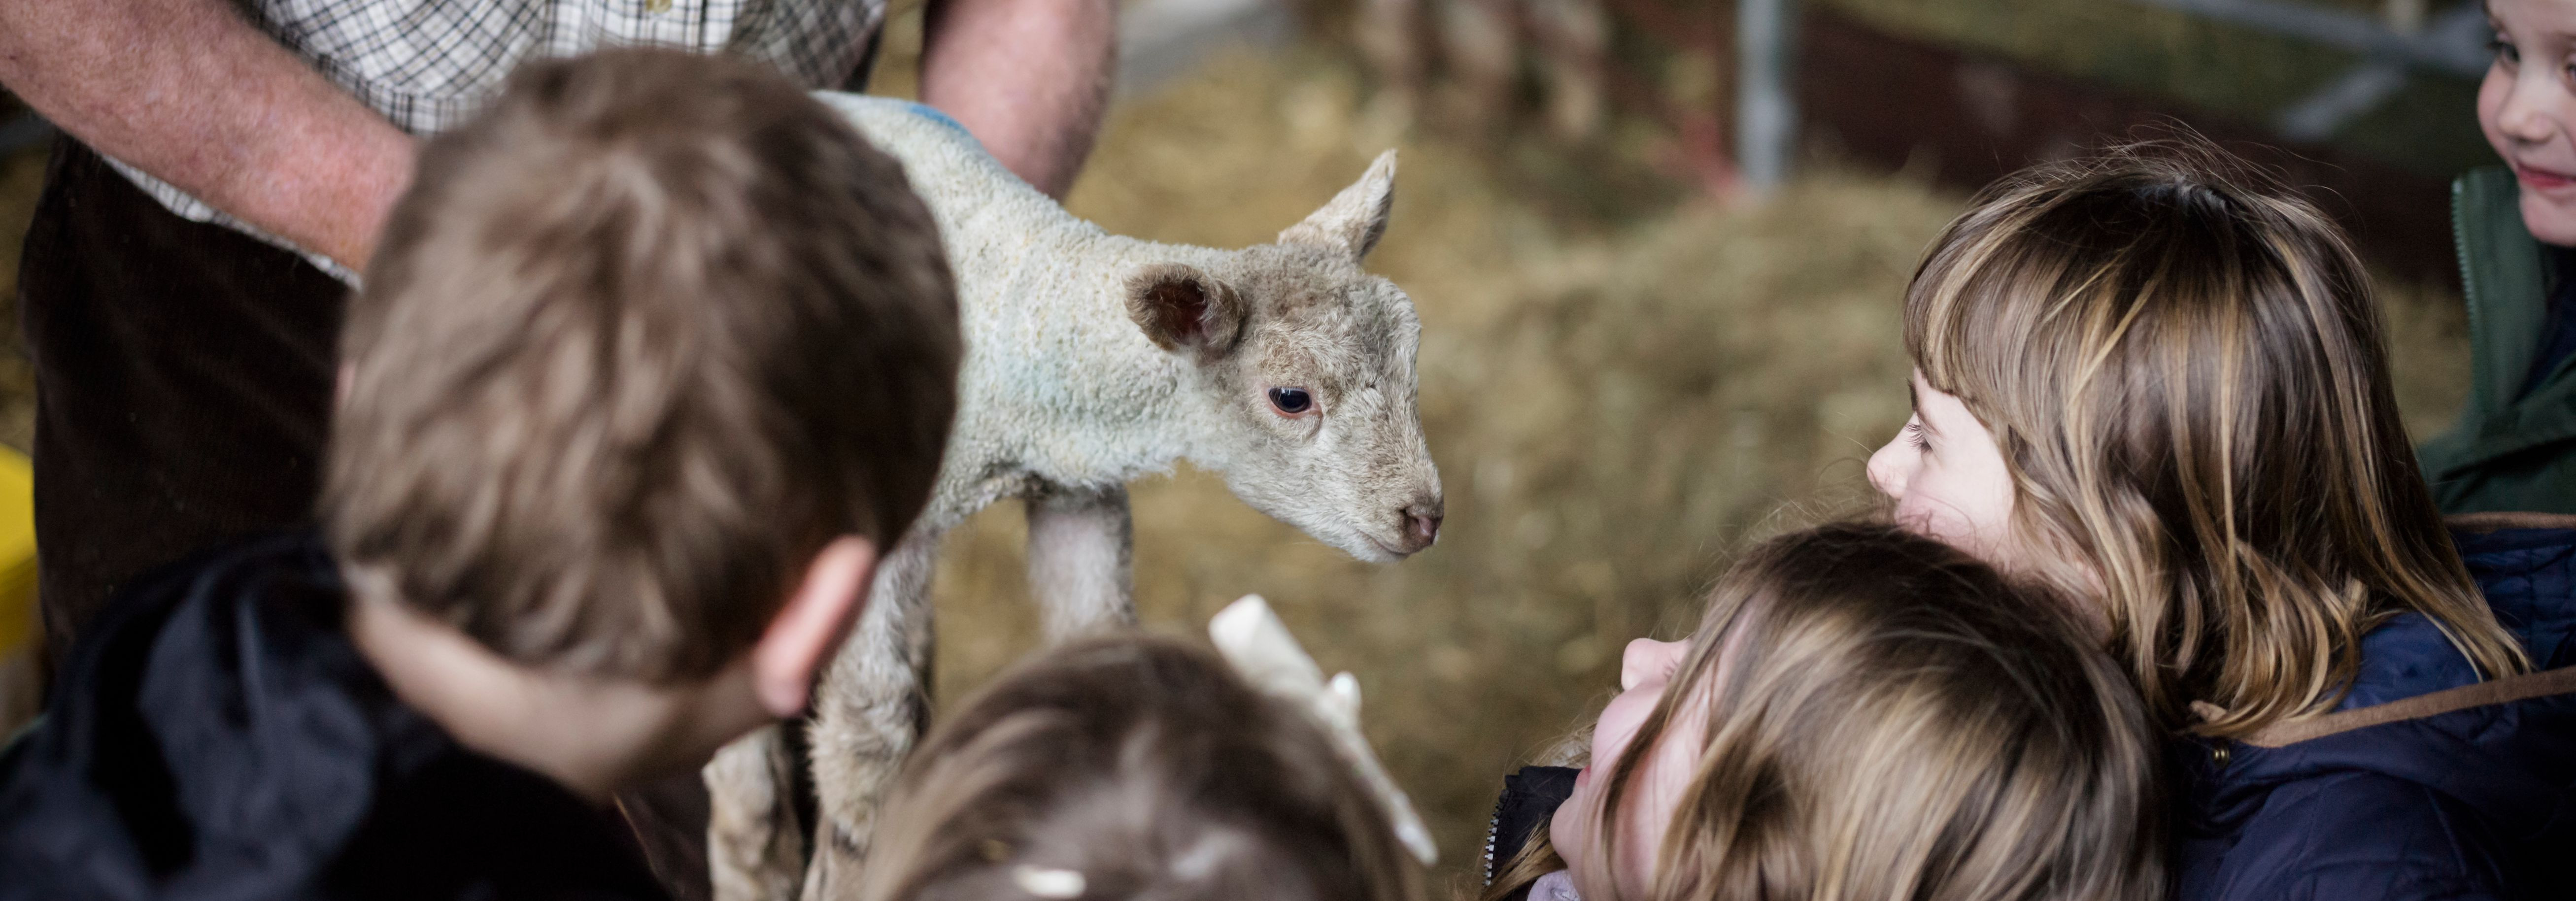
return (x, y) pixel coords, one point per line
(834, 874)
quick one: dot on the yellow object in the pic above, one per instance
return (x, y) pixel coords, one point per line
(18, 623)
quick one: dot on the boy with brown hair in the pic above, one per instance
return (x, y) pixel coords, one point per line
(656, 356)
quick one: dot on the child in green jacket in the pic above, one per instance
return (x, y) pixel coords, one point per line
(2515, 445)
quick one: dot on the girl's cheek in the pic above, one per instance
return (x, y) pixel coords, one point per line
(1570, 829)
(2492, 94)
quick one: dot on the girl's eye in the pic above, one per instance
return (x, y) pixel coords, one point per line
(1914, 436)
(1291, 401)
(2504, 50)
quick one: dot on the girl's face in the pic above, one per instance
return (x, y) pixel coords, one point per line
(1654, 792)
(2526, 105)
(1948, 477)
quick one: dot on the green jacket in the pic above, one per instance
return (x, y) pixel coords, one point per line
(2506, 453)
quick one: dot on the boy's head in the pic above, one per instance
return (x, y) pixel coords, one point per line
(646, 337)
(1133, 767)
(2527, 106)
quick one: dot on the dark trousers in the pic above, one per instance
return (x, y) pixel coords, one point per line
(183, 385)
(184, 374)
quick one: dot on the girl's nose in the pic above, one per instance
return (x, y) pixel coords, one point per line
(2524, 117)
(1648, 660)
(1882, 471)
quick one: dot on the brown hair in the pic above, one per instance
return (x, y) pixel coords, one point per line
(642, 337)
(1149, 768)
(2182, 365)
(1890, 718)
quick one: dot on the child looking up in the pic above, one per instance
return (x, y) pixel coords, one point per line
(2156, 382)
(2514, 447)
(654, 357)
(1861, 714)
(1134, 767)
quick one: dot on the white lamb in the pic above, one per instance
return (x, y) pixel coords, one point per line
(1093, 359)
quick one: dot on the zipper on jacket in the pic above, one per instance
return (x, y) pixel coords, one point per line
(2460, 253)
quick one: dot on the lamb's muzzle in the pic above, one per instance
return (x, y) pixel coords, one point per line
(1421, 524)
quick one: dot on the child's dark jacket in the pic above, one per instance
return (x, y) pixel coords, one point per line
(216, 735)
(2513, 449)
(2467, 803)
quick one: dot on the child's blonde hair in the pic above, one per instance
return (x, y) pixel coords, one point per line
(1890, 718)
(2182, 365)
(1133, 767)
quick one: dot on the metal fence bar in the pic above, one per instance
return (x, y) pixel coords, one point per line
(2354, 93)
(1161, 39)
(2439, 49)
(1766, 113)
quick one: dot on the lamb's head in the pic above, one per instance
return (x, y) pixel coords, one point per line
(1304, 363)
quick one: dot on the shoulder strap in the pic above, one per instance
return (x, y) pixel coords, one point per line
(2500, 521)
(2494, 691)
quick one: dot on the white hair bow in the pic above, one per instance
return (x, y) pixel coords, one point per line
(1253, 639)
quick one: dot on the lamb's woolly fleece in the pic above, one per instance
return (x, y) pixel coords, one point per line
(1081, 398)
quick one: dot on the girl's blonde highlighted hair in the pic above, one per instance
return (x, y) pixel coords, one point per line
(1133, 767)
(2182, 364)
(1890, 718)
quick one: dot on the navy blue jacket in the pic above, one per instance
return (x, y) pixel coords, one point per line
(216, 735)
(2468, 804)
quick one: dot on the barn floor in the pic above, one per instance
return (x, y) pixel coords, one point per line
(1621, 387)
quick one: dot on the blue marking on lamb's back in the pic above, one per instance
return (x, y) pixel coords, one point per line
(933, 114)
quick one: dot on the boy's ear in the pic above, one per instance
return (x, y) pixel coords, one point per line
(1180, 307)
(810, 626)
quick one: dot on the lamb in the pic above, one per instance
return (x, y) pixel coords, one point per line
(1093, 359)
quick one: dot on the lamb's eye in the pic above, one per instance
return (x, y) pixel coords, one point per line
(1291, 401)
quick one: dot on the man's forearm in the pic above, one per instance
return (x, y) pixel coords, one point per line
(189, 92)
(1028, 77)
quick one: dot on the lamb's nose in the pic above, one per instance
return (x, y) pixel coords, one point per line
(1421, 524)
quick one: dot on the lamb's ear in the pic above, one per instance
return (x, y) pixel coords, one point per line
(1181, 307)
(1356, 218)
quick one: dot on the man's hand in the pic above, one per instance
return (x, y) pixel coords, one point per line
(1029, 78)
(191, 93)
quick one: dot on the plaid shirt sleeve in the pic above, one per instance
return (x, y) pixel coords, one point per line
(428, 64)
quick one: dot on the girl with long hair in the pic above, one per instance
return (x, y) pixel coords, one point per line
(2156, 382)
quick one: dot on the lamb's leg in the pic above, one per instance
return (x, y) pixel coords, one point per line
(755, 844)
(869, 709)
(1080, 544)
